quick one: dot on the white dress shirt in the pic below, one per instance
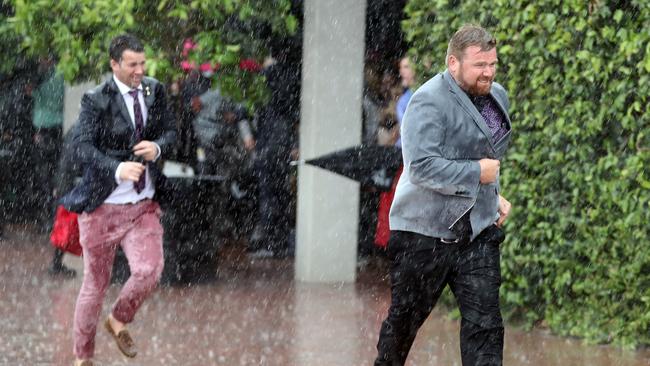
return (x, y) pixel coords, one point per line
(125, 190)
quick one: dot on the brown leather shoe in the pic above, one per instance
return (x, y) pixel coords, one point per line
(123, 340)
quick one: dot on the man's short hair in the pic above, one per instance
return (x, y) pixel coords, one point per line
(470, 35)
(122, 43)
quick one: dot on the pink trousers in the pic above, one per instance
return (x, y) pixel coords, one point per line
(136, 227)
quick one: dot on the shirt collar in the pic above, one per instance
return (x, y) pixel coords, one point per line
(124, 89)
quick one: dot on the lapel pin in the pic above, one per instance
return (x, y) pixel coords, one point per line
(147, 91)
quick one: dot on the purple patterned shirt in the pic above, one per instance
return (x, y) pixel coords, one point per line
(493, 116)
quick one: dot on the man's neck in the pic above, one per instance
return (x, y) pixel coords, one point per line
(123, 87)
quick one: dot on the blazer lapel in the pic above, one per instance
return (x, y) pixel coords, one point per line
(503, 109)
(118, 99)
(149, 98)
(468, 106)
(147, 92)
(502, 144)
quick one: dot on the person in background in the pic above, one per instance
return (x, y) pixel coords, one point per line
(47, 119)
(447, 213)
(16, 134)
(407, 80)
(371, 105)
(125, 126)
(224, 145)
(67, 172)
(192, 85)
(275, 148)
(389, 134)
(220, 127)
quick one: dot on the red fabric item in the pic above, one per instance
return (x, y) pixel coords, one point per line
(382, 234)
(65, 233)
(249, 65)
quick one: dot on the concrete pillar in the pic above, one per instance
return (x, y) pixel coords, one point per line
(332, 86)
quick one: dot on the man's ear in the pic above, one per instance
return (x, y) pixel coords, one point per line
(114, 64)
(452, 63)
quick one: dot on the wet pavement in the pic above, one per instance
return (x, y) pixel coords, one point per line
(254, 313)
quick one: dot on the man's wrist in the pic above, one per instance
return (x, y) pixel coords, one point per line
(117, 173)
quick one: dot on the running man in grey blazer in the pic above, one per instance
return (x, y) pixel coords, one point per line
(448, 210)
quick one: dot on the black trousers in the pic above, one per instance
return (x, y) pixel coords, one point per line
(421, 268)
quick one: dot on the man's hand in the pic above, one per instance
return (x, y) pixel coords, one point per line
(146, 149)
(504, 210)
(131, 171)
(489, 170)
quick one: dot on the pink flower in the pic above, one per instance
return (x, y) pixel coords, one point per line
(188, 45)
(206, 66)
(187, 65)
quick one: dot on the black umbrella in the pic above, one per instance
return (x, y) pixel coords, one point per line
(370, 165)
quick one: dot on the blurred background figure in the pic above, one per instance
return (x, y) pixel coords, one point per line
(16, 133)
(195, 82)
(47, 121)
(224, 146)
(276, 146)
(223, 134)
(389, 134)
(371, 105)
(193, 85)
(67, 172)
(407, 81)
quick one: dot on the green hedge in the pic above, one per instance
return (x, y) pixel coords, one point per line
(577, 257)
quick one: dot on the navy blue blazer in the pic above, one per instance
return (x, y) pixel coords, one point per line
(106, 137)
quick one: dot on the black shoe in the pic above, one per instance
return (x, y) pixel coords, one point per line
(62, 271)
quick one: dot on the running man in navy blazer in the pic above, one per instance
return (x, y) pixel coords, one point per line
(125, 126)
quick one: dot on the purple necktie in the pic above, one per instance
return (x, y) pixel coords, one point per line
(139, 128)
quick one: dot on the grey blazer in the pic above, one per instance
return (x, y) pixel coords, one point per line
(443, 138)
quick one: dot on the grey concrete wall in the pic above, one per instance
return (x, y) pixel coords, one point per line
(72, 100)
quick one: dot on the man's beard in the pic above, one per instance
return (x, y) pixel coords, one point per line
(478, 90)
(474, 89)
